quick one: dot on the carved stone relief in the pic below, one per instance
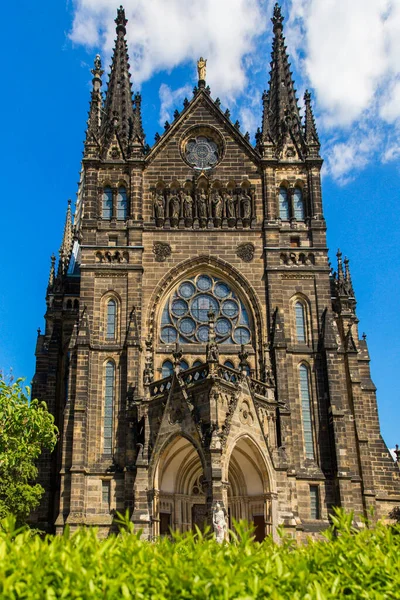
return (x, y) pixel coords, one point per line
(161, 251)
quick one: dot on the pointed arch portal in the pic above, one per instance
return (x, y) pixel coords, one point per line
(249, 495)
(179, 494)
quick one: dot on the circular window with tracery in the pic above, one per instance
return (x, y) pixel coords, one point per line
(201, 152)
(185, 314)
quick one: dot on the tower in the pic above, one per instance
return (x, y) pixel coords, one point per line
(197, 346)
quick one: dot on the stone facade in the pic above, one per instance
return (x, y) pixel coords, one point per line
(198, 347)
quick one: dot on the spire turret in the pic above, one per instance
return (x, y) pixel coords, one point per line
(118, 109)
(310, 129)
(52, 271)
(281, 113)
(96, 102)
(66, 244)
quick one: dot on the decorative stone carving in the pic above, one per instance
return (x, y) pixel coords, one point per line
(175, 207)
(230, 206)
(161, 251)
(245, 414)
(246, 251)
(106, 256)
(297, 258)
(219, 523)
(159, 207)
(245, 204)
(202, 206)
(216, 206)
(187, 207)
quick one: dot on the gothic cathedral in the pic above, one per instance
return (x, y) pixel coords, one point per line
(198, 347)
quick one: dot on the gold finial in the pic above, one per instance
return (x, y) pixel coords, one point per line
(201, 68)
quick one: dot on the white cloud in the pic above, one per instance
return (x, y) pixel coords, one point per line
(348, 52)
(166, 33)
(169, 100)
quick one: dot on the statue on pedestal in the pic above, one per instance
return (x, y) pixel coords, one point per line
(219, 523)
(201, 68)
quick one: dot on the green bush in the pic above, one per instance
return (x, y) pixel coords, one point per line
(350, 564)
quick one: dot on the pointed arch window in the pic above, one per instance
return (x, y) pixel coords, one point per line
(283, 204)
(122, 204)
(111, 319)
(306, 410)
(300, 322)
(298, 204)
(107, 205)
(108, 406)
(167, 369)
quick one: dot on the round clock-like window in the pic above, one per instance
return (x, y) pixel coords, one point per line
(202, 147)
(201, 152)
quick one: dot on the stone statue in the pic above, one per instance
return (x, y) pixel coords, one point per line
(230, 206)
(97, 62)
(187, 206)
(159, 205)
(246, 205)
(202, 205)
(216, 205)
(219, 523)
(175, 205)
(201, 68)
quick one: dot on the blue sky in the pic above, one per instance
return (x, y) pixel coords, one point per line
(347, 54)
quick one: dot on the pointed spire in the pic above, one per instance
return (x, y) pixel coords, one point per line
(347, 277)
(138, 133)
(118, 108)
(52, 271)
(281, 115)
(340, 274)
(94, 120)
(310, 129)
(66, 244)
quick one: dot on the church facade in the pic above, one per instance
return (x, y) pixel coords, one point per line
(198, 347)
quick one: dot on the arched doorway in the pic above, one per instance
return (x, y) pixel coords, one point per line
(249, 496)
(179, 494)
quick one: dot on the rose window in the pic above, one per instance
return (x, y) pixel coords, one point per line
(201, 152)
(185, 315)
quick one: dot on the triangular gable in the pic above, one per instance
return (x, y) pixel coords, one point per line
(202, 98)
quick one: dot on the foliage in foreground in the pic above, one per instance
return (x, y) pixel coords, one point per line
(26, 427)
(352, 565)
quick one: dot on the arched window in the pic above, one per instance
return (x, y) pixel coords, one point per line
(108, 406)
(111, 319)
(197, 363)
(298, 204)
(306, 410)
(300, 322)
(107, 207)
(122, 204)
(183, 365)
(229, 364)
(283, 204)
(167, 369)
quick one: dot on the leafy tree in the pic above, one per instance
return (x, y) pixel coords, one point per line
(26, 428)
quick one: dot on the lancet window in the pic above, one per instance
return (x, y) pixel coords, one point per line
(186, 313)
(283, 204)
(122, 204)
(306, 410)
(298, 204)
(300, 322)
(107, 203)
(109, 388)
(111, 319)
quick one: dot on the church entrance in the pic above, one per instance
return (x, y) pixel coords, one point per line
(248, 492)
(179, 499)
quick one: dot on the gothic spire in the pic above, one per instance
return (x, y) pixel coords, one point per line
(281, 112)
(310, 129)
(96, 101)
(118, 108)
(52, 271)
(66, 244)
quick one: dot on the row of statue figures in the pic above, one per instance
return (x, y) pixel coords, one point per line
(230, 206)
